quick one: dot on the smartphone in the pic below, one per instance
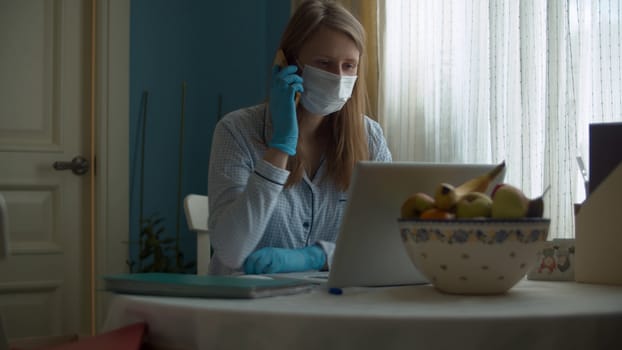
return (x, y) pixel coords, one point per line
(281, 61)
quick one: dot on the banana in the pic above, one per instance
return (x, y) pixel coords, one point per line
(480, 183)
(443, 203)
(445, 196)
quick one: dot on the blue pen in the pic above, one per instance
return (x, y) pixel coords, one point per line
(335, 291)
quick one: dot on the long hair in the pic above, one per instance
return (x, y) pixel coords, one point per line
(347, 138)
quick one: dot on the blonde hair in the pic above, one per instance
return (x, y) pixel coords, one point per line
(347, 141)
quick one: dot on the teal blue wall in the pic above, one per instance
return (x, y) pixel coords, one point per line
(220, 49)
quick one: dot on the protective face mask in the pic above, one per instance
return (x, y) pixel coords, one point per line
(325, 92)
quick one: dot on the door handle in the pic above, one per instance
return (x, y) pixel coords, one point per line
(78, 165)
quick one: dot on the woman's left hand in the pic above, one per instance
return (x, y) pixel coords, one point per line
(285, 84)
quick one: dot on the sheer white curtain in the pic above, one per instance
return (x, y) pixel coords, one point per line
(491, 80)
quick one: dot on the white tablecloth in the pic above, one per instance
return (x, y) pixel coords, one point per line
(533, 315)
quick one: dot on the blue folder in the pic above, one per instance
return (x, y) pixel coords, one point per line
(202, 286)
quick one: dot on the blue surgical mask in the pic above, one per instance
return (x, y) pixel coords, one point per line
(324, 92)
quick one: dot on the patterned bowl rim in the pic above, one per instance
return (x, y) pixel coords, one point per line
(479, 221)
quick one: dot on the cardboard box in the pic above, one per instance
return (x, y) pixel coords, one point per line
(598, 233)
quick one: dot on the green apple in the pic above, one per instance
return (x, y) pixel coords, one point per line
(416, 204)
(474, 204)
(445, 196)
(509, 202)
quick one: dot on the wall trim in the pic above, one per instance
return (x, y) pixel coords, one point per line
(112, 144)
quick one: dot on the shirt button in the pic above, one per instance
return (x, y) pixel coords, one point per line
(305, 225)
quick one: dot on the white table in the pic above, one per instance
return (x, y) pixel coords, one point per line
(533, 315)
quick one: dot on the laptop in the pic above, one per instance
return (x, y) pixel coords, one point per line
(369, 251)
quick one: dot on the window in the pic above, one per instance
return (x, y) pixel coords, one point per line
(486, 81)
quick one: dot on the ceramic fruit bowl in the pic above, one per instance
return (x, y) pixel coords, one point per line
(474, 256)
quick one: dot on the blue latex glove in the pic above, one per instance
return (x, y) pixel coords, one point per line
(274, 260)
(285, 84)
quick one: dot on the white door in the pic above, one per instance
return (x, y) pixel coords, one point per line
(45, 117)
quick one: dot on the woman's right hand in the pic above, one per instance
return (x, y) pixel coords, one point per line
(283, 88)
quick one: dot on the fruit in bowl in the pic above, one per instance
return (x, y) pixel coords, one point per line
(468, 242)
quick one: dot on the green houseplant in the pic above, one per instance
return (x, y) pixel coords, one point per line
(159, 252)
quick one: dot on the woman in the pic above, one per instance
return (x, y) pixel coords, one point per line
(279, 171)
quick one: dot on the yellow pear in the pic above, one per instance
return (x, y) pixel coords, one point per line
(509, 202)
(416, 204)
